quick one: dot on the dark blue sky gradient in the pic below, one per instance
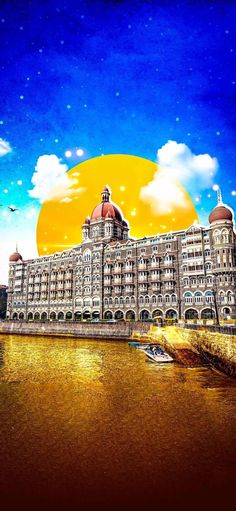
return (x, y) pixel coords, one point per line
(135, 74)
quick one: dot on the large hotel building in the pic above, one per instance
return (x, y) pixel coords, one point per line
(188, 274)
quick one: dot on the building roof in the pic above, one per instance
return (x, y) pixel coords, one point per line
(106, 209)
(15, 257)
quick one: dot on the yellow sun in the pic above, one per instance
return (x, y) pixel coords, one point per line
(61, 217)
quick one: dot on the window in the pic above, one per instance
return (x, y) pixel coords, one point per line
(188, 297)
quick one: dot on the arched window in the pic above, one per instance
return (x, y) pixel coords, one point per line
(188, 297)
(225, 236)
(198, 297)
(216, 236)
(87, 255)
(141, 300)
(209, 296)
(147, 299)
(154, 299)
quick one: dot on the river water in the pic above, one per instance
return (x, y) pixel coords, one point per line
(88, 424)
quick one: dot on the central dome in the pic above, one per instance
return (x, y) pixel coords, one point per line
(106, 209)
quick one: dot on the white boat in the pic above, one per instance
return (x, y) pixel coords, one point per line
(144, 347)
(159, 356)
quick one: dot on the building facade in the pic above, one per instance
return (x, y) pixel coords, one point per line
(3, 301)
(186, 274)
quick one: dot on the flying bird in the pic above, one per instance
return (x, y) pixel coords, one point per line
(12, 209)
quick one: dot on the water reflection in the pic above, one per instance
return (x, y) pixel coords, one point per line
(93, 422)
(2, 349)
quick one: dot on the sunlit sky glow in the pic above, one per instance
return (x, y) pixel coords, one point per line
(83, 79)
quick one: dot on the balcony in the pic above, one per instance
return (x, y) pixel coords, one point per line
(142, 279)
(169, 264)
(107, 291)
(155, 278)
(168, 276)
(142, 266)
(155, 266)
(129, 279)
(107, 271)
(118, 270)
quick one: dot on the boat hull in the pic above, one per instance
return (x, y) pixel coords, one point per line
(160, 358)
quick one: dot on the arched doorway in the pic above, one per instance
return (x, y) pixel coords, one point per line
(78, 316)
(60, 316)
(30, 316)
(44, 316)
(21, 316)
(157, 314)
(208, 313)
(119, 315)
(15, 316)
(95, 315)
(69, 316)
(37, 316)
(171, 314)
(108, 315)
(226, 313)
(144, 315)
(191, 314)
(53, 316)
(87, 315)
(130, 315)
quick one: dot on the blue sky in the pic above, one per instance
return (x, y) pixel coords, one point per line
(113, 77)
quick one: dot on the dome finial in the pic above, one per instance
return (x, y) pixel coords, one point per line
(219, 197)
(106, 194)
(217, 189)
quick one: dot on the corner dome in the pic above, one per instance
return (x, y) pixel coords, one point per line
(15, 257)
(220, 213)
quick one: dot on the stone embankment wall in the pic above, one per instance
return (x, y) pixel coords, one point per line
(119, 330)
(226, 329)
(218, 349)
(196, 347)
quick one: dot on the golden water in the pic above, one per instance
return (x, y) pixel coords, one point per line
(94, 423)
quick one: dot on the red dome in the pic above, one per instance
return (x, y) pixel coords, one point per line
(220, 213)
(15, 257)
(106, 210)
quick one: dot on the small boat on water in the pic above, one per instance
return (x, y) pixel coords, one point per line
(144, 347)
(159, 356)
(134, 344)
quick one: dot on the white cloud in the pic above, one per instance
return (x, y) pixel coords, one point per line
(177, 163)
(51, 181)
(66, 199)
(162, 194)
(194, 171)
(5, 147)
